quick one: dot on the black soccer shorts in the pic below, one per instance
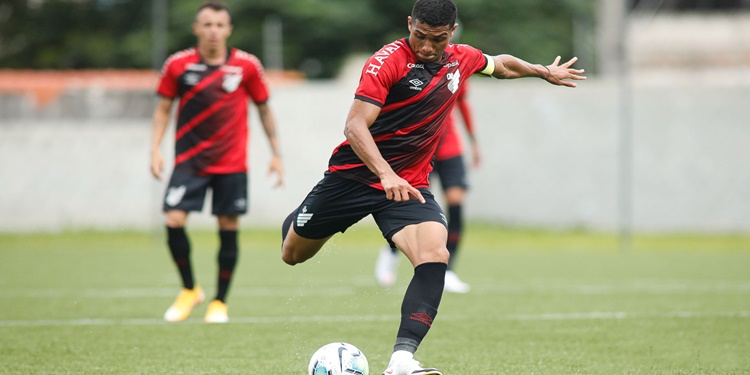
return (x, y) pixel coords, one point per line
(451, 172)
(187, 192)
(336, 203)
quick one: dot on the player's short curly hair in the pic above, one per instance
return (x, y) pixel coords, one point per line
(435, 12)
(215, 5)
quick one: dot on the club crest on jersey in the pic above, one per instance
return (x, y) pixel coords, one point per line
(453, 80)
(231, 81)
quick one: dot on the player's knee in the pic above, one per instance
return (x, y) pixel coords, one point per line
(442, 255)
(437, 254)
(289, 257)
(286, 225)
(175, 221)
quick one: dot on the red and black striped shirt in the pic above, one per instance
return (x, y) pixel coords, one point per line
(415, 99)
(212, 124)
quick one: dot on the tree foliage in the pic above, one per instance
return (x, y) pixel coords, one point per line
(317, 34)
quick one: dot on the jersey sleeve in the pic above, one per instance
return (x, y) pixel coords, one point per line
(378, 75)
(255, 82)
(168, 80)
(476, 61)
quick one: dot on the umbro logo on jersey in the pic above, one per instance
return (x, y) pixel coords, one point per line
(303, 217)
(175, 195)
(416, 84)
(192, 79)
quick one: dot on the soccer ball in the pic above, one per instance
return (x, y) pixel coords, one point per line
(338, 358)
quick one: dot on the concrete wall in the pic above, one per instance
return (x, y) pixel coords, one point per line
(550, 157)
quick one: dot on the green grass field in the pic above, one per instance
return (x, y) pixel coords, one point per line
(541, 303)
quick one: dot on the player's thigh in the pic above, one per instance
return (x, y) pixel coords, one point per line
(395, 217)
(229, 194)
(185, 191)
(297, 249)
(333, 205)
(423, 242)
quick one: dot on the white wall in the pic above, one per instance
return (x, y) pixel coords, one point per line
(550, 157)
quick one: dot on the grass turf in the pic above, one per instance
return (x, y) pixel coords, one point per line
(541, 303)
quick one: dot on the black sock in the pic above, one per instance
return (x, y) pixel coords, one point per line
(455, 228)
(420, 305)
(227, 261)
(179, 246)
(394, 249)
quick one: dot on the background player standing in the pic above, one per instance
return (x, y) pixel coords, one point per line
(449, 167)
(406, 91)
(214, 83)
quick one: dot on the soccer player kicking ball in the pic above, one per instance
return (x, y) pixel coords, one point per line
(406, 92)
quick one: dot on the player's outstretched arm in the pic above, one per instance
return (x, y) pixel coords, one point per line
(509, 67)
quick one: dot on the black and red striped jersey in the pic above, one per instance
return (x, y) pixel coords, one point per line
(450, 144)
(415, 99)
(212, 132)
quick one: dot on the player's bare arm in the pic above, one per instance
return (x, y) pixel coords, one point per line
(160, 123)
(509, 67)
(357, 131)
(464, 108)
(269, 127)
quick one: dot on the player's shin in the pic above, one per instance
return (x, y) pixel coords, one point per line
(420, 305)
(179, 247)
(227, 258)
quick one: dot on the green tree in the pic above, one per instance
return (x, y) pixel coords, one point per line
(318, 34)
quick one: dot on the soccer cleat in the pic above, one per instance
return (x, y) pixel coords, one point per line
(186, 300)
(386, 266)
(217, 312)
(453, 284)
(403, 363)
